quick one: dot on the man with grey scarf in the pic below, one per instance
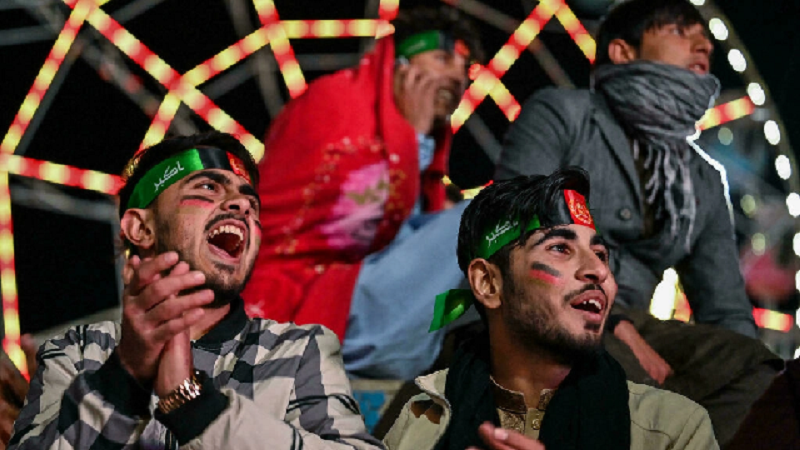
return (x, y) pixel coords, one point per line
(659, 200)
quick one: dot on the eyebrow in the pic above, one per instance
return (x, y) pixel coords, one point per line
(213, 176)
(245, 189)
(598, 240)
(553, 233)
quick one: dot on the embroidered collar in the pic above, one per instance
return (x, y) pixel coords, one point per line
(514, 401)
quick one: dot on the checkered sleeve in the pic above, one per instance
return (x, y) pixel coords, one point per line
(81, 397)
(322, 413)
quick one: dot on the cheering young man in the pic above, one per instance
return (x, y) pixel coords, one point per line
(540, 278)
(662, 202)
(187, 367)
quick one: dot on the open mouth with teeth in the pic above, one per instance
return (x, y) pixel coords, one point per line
(591, 305)
(699, 68)
(227, 240)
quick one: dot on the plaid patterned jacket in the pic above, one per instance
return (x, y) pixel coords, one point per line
(270, 385)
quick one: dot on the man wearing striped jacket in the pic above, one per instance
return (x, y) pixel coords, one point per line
(186, 367)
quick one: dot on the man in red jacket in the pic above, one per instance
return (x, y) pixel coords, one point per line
(352, 170)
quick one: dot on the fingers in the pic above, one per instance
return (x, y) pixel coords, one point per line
(656, 367)
(174, 307)
(167, 287)
(150, 270)
(420, 82)
(180, 269)
(131, 266)
(171, 328)
(501, 439)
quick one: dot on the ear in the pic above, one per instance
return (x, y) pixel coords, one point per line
(486, 282)
(620, 52)
(137, 226)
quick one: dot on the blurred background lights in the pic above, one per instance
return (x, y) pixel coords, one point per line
(793, 203)
(772, 132)
(736, 58)
(725, 135)
(796, 244)
(748, 204)
(663, 303)
(759, 243)
(783, 167)
(699, 2)
(718, 29)
(797, 285)
(756, 93)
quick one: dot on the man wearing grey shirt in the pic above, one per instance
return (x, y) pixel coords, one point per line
(659, 201)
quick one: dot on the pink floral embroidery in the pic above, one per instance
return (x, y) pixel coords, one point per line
(359, 209)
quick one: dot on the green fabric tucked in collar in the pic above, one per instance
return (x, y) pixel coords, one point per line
(454, 303)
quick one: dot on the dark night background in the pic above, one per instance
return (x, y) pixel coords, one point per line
(65, 263)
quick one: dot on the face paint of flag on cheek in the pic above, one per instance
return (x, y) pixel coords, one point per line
(543, 273)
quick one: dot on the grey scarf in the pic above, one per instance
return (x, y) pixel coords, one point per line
(658, 105)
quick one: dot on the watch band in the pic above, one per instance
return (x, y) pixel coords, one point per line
(189, 389)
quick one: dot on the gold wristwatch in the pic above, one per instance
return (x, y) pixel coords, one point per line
(189, 389)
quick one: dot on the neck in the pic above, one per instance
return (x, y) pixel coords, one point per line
(211, 317)
(526, 369)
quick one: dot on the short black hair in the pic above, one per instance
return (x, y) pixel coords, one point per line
(521, 197)
(440, 18)
(631, 19)
(145, 160)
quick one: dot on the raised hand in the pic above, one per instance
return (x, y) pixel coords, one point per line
(154, 310)
(415, 96)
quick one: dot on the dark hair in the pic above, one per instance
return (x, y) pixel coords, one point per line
(521, 197)
(442, 18)
(145, 160)
(631, 19)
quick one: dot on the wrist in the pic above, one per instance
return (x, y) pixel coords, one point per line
(144, 381)
(169, 381)
(188, 389)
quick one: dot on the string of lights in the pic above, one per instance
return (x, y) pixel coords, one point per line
(277, 34)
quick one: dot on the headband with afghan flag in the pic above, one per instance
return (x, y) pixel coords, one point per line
(431, 40)
(452, 304)
(167, 172)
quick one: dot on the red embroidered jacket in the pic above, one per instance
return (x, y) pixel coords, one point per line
(339, 177)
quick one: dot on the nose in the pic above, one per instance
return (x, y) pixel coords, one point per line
(593, 269)
(238, 204)
(702, 44)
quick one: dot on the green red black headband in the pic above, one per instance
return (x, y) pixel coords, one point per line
(430, 40)
(573, 210)
(167, 172)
